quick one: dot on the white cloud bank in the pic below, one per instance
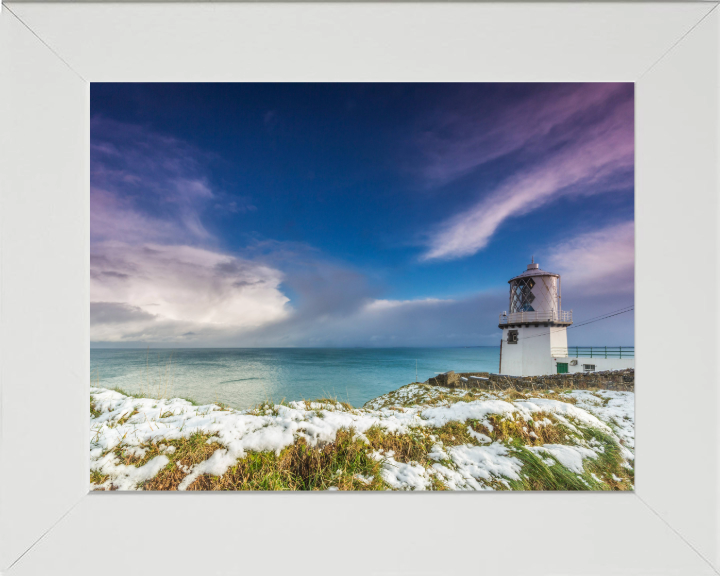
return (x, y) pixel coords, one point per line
(168, 292)
(155, 274)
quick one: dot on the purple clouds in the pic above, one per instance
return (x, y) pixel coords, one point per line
(580, 141)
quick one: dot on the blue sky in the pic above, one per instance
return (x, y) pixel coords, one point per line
(354, 214)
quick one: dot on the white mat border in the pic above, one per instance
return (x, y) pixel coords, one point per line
(49, 53)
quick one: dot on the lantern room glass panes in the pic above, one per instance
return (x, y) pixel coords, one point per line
(521, 296)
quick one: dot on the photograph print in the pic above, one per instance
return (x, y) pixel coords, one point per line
(362, 286)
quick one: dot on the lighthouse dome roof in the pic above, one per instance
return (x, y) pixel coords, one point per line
(533, 269)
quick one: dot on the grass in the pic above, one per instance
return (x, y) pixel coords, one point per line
(599, 473)
(503, 429)
(348, 464)
(537, 475)
(411, 447)
(426, 394)
(127, 417)
(189, 451)
(609, 463)
(333, 401)
(340, 464)
(96, 477)
(414, 446)
(192, 402)
(297, 467)
(130, 394)
(351, 461)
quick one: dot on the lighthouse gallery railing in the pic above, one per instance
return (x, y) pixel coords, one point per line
(552, 316)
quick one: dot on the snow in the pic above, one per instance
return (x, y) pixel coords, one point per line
(126, 477)
(615, 407)
(462, 411)
(475, 467)
(562, 408)
(402, 476)
(569, 456)
(487, 462)
(274, 427)
(136, 451)
(363, 479)
(479, 437)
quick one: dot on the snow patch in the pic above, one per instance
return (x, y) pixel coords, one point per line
(571, 457)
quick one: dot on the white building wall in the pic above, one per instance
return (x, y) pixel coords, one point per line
(511, 359)
(532, 355)
(600, 364)
(558, 338)
(537, 358)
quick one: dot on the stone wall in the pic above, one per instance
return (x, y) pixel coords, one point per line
(609, 380)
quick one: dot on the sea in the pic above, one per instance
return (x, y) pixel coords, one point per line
(244, 377)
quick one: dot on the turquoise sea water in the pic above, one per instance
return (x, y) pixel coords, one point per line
(243, 377)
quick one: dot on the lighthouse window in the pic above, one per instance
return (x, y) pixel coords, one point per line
(521, 296)
(589, 367)
(512, 337)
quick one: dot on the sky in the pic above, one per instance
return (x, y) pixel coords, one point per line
(312, 215)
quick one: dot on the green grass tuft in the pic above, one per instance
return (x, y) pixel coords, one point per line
(343, 464)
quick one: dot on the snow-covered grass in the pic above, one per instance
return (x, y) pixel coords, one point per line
(419, 437)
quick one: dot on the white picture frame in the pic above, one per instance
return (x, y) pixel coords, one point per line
(49, 523)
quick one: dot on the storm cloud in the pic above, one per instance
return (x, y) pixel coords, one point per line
(117, 313)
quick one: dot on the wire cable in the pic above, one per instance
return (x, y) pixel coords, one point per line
(588, 321)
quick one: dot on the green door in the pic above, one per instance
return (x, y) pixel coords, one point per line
(562, 368)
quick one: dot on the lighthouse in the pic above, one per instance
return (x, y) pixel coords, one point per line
(534, 326)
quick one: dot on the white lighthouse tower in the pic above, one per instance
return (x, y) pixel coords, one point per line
(535, 325)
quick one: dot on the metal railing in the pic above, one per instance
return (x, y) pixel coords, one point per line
(594, 352)
(552, 316)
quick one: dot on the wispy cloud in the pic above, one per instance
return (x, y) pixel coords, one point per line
(582, 144)
(469, 131)
(598, 262)
(379, 305)
(146, 185)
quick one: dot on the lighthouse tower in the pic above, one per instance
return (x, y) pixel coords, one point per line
(535, 328)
